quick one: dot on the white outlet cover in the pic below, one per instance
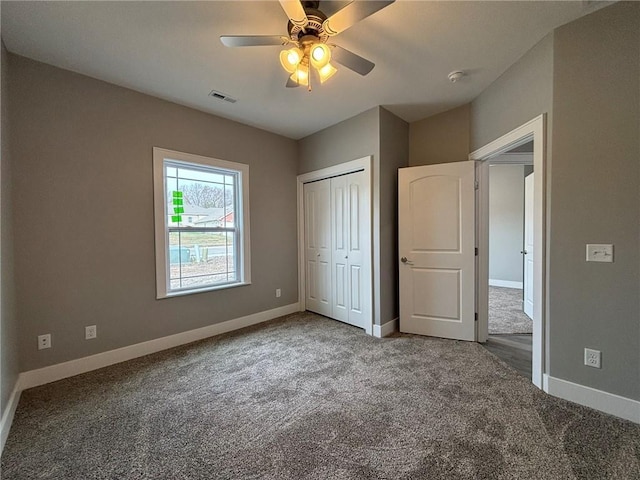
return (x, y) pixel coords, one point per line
(599, 252)
(90, 332)
(592, 357)
(44, 341)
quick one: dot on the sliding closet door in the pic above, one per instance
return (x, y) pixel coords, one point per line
(317, 228)
(351, 257)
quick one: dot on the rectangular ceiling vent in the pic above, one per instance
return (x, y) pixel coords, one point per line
(222, 96)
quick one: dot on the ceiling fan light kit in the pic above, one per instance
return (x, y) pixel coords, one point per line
(326, 72)
(320, 55)
(290, 59)
(309, 29)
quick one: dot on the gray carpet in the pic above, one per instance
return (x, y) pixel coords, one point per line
(304, 397)
(505, 312)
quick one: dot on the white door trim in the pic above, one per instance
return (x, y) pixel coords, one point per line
(533, 130)
(364, 164)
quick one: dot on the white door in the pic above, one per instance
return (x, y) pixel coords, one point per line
(317, 237)
(350, 263)
(437, 249)
(528, 246)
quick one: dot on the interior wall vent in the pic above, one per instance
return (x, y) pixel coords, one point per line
(222, 96)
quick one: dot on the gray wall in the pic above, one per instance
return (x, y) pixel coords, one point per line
(83, 213)
(394, 154)
(8, 321)
(381, 134)
(350, 139)
(595, 181)
(442, 138)
(506, 222)
(521, 93)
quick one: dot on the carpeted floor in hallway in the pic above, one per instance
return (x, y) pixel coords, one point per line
(305, 397)
(505, 312)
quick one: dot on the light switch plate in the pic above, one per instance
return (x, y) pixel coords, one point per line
(599, 252)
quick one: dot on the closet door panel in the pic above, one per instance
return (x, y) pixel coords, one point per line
(359, 253)
(317, 217)
(340, 248)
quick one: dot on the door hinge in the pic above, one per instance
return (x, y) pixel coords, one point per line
(476, 316)
(476, 251)
(476, 184)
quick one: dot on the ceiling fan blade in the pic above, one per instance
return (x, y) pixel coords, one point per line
(253, 40)
(295, 12)
(351, 60)
(291, 83)
(351, 14)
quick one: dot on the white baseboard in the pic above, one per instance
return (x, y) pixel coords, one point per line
(590, 397)
(7, 416)
(505, 283)
(41, 376)
(385, 329)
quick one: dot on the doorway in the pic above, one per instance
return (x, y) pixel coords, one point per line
(511, 249)
(533, 131)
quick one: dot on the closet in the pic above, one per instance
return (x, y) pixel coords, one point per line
(337, 233)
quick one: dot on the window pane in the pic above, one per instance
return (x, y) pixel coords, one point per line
(198, 259)
(202, 195)
(200, 201)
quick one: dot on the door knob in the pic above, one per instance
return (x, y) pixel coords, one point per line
(406, 261)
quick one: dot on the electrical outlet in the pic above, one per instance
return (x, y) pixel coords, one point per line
(278, 293)
(592, 357)
(90, 332)
(44, 341)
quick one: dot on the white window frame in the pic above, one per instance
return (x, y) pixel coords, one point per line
(241, 218)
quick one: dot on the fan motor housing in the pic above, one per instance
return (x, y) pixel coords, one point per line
(316, 19)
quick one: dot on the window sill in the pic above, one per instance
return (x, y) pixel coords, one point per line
(201, 290)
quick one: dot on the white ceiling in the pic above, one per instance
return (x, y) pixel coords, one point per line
(172, 50)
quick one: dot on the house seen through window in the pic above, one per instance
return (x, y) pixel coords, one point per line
(203, 234)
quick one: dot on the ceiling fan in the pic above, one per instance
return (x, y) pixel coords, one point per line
(309, 30)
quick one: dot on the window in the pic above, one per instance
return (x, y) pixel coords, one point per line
(201, 223)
